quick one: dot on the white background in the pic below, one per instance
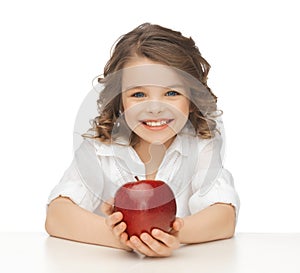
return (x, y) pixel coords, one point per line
(52, 50)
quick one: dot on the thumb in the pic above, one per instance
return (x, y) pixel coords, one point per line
(178, 224)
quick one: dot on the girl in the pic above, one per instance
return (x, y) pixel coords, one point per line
(158, 119)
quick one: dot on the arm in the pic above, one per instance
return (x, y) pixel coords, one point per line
(212, 215)
(212, 223)
(67, 220)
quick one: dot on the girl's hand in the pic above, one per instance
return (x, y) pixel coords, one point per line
(113, 221)
(159, 243)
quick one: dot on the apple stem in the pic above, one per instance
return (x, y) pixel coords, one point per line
(137, 179)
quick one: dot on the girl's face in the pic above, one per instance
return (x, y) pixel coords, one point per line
(155, 103)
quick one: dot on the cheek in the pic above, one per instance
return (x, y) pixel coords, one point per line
(184, 108)
(131, 114)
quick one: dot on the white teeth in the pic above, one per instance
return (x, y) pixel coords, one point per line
(156, 123)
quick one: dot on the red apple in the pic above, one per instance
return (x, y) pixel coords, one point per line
(145, 205)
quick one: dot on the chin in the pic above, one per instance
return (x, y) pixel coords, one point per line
(160, 141)
(155, 137)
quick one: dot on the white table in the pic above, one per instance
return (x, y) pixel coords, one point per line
(246, 252)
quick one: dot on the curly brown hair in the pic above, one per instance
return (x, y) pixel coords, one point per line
(164, 46)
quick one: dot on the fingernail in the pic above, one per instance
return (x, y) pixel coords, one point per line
(133, 239)
(155, 232)
(117, 216)
(144, 237)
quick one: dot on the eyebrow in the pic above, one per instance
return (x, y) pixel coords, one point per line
(144, 87)
(176, 86)
(132, 88)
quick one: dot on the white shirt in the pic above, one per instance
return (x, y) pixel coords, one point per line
(192, 167)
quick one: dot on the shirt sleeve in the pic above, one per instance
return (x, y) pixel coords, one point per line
(212, 183)
(82, 182)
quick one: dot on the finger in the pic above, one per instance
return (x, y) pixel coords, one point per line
(130, 244)
(159, 248)
(178, 224)
(141, 247)
(107, 206)
(167, 239)
(124, 240)
(119, 229)
(124, 237)
(113, 219)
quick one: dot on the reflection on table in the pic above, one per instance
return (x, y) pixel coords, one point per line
(246, 252)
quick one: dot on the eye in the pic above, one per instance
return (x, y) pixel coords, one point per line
(172, 93)
(138, 95)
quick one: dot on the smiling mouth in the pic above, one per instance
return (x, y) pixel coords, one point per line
(157, 123)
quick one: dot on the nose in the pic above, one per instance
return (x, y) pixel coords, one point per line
(155, 107)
